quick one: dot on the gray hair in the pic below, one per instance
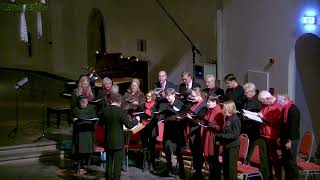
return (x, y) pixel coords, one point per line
(106, 79)
(170, 91)
(210, 77)
(249, 86)
(115, 87)
(263, 95)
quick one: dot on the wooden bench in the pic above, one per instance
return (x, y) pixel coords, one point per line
(58, 111)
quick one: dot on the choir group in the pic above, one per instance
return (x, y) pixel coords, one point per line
(207, 122)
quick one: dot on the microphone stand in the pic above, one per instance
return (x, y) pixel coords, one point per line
(43, 93)
(194, 48)
(15, 130)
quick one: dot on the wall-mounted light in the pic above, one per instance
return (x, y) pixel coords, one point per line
(309, 20)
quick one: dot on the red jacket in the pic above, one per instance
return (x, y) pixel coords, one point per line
(273, 115)
(216, 119)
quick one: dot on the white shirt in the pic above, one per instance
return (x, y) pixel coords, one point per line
(189, 85)
(163, 86)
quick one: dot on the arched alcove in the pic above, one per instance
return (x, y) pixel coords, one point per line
(95, 36)
(304, 64)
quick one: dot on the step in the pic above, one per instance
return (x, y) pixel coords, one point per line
(21, 146)
(27, 149)
(28, 152)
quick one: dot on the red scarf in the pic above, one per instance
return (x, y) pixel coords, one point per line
(194, 107)
(148, 107)
(286, 109)
(211, 113)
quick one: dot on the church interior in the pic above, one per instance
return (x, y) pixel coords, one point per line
(46, 46)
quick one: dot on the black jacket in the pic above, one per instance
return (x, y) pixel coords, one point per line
(183, 88)
(252, 104)
(173, 129)
(169, 84)
(114, 118)
(231, 132)
(290, 130)
(249, 127)
(214, 91)
(236, 95)
(83, 130)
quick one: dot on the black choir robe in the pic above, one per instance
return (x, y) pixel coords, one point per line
(237, 95)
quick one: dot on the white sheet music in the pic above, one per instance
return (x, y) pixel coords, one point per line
(137, 113)
(97, 100)
(66, 94)
(90, 119)
(252, 116)
(132, 129)
(176, 109)
(204, 125)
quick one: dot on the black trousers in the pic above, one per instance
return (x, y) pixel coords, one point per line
(230, 157)
(170, 148)
(196, 150)
(149, 141)
(274, 159)
(214, 165)
(113, 168)
(264, 160)
(289, 161)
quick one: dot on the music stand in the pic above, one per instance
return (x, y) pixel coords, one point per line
(19, 85)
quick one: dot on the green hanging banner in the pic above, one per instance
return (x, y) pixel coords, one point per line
(16, 7)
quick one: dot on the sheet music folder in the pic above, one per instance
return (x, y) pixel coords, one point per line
(167, 112)
(252, 116)
(135, 129)
(142, 115)
(95, 102)
(88, 119)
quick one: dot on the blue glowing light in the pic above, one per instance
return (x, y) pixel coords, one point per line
(310, 12)
(310, 27)
(309, 20)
